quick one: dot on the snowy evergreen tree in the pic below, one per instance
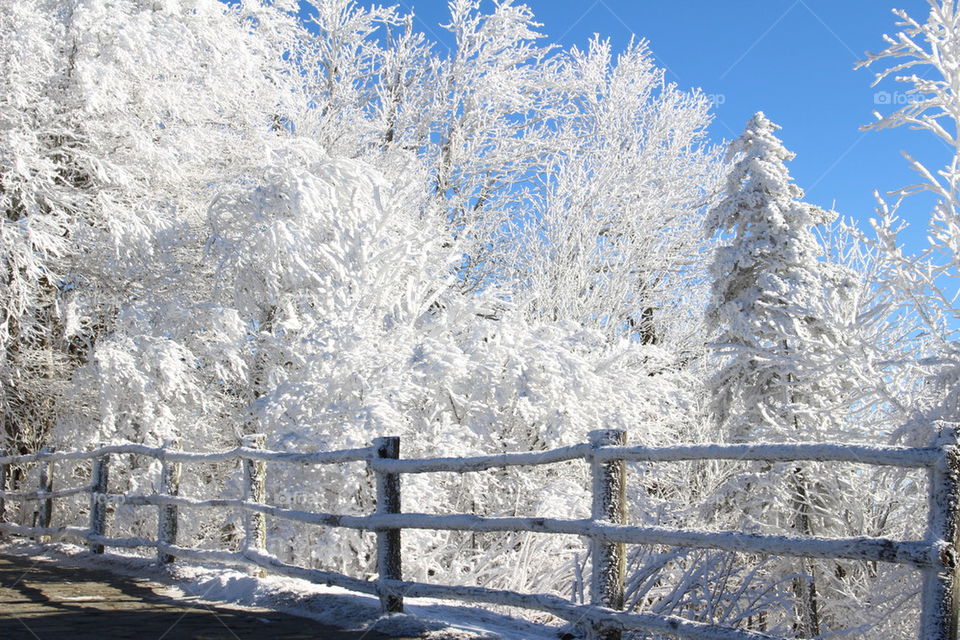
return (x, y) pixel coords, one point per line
(767, 287)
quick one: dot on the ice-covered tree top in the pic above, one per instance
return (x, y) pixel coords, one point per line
(772, 254)
(759, 187)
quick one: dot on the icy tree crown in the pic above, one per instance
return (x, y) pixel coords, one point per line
(772, 252)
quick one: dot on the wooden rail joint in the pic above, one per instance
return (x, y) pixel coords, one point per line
(99, 496)
(609, 506)
(940, 607)
(167, 515)
(389, 564)
(951, 456)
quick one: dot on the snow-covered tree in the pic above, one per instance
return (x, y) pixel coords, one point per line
(767, 285)
(615, 240)
(117, 118)
(926, 57)
(33, 224)
(767, 288)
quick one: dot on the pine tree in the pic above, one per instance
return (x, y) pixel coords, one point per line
(767, 284)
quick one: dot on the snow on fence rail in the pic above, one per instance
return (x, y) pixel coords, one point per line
(606, 529)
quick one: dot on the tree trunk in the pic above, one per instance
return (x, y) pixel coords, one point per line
(804, 588)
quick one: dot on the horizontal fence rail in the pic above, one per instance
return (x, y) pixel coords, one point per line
(170, 455)
(606, 529)
(907, 457)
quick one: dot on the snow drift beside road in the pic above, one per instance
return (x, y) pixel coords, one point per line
(329, 605)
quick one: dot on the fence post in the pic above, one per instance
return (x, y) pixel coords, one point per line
(99, 481)
(167, 518)
(389, 563)
(941, 589)
(45, 512)
(4, 475)
(609, 505)
(254, 490)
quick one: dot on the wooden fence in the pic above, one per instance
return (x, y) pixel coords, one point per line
(606, 529)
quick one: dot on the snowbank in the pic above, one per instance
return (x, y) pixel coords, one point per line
(424, 618)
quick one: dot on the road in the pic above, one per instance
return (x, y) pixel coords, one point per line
(45, 601)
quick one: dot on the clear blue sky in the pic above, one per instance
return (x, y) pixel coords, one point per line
(792, 59)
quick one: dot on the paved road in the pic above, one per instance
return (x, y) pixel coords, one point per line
(44, 601)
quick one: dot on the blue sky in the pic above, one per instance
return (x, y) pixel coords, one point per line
(792, 59)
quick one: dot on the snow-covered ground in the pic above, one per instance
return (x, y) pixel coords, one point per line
(330, 605)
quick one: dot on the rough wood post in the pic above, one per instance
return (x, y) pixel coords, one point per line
(4, 475)
(941, 589)
(254, 490)
(45, 512)
(167, 518)
(388, 541)
(609, 506)
(99, 481)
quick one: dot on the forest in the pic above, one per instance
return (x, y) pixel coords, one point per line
(304, 219)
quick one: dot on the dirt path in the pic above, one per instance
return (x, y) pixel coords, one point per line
(44, 601)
